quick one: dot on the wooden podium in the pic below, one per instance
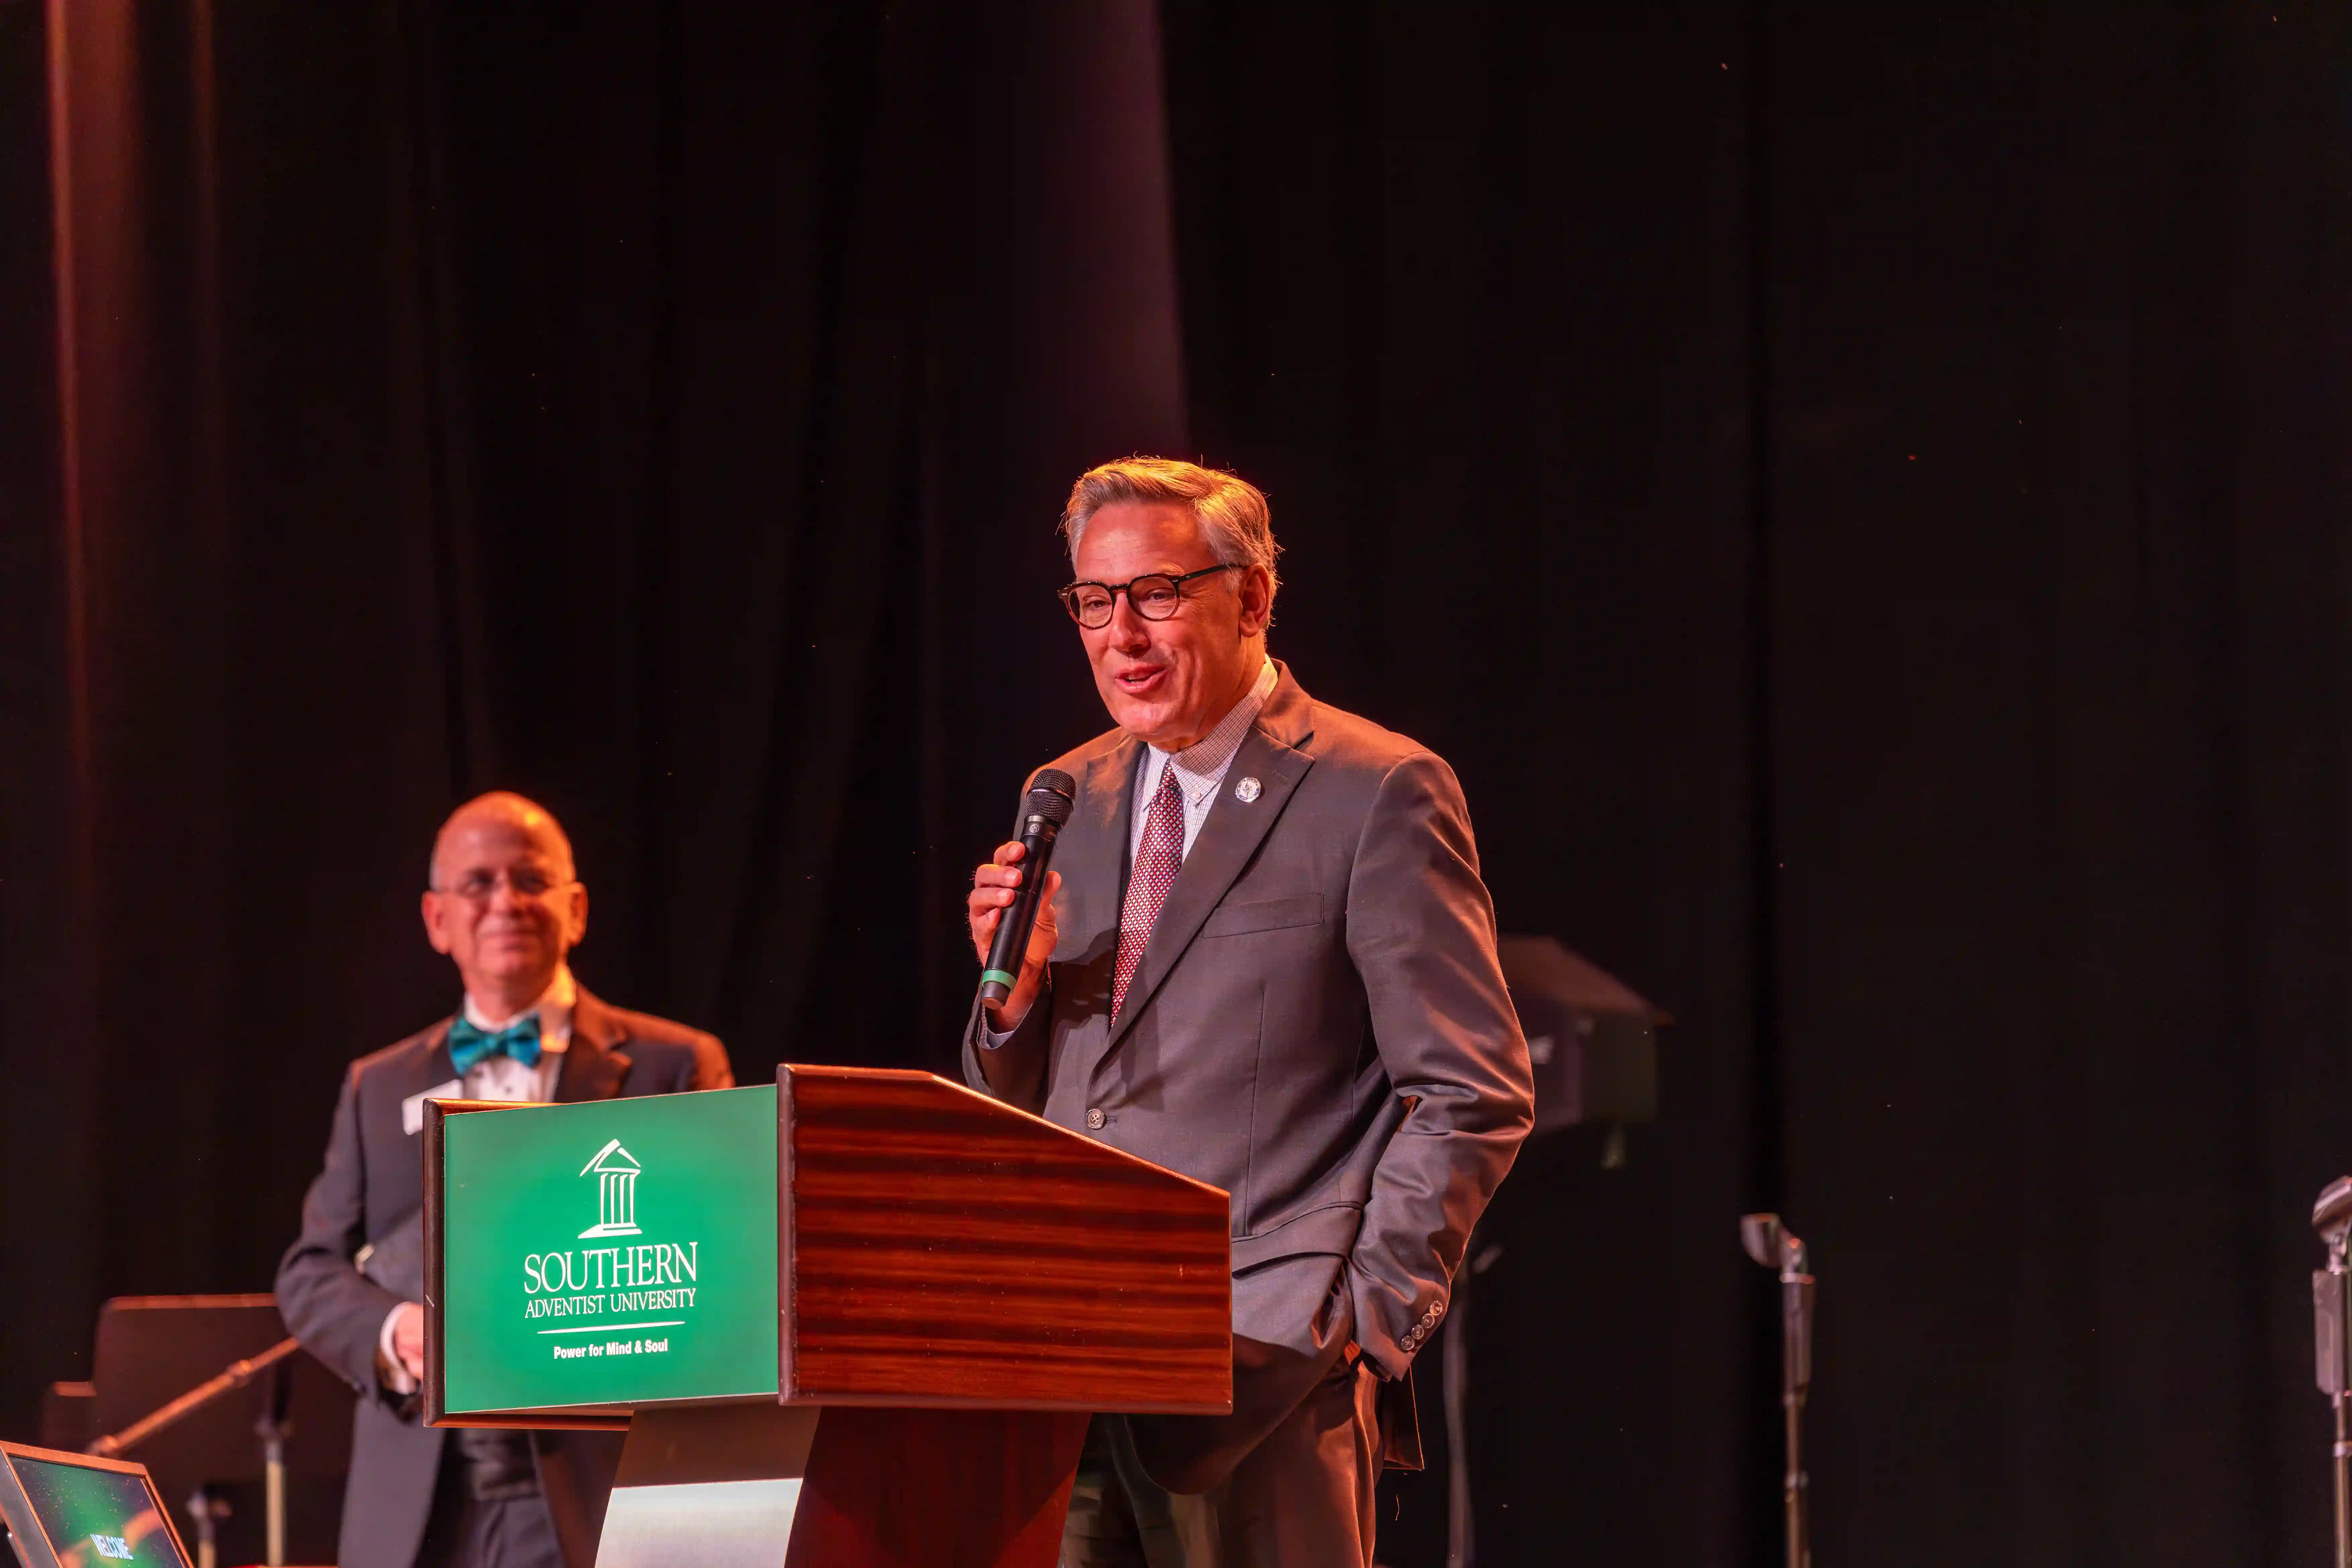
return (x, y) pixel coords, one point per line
(865, 1325)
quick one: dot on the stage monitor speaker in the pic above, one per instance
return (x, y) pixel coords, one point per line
(1594, 1042)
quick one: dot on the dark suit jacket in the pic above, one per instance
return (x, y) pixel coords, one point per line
(1318, 1025)
(373, 1180)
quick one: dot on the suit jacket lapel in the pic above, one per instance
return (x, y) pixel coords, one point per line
(434, 1068)
(1092, 856)
(593, 1063)
(1235, 829)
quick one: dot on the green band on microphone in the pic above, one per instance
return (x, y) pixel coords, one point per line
(999, 976)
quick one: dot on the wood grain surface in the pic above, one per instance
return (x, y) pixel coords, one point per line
(911, 1488)
(950, 1251)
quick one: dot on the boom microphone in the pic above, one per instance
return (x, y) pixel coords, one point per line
(1052, 796)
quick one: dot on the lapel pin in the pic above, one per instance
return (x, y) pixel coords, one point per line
(1246, 791)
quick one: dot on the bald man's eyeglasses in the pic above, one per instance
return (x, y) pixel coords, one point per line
(481, 887)
(1156, 596)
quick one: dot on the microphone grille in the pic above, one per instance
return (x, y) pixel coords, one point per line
(1053, 794)
(2333, 1213)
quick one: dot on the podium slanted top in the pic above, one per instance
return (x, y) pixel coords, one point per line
(845, 1236)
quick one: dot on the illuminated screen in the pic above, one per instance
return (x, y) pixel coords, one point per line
(95, 1517)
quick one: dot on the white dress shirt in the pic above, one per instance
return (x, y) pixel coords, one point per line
(504, 1079)
(1200, 767)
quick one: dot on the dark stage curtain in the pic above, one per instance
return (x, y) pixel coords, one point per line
(1470, 296)
(661, 413)
(1860, 499)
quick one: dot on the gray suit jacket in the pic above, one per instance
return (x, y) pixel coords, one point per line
(1318, 1024)
(373, 1181)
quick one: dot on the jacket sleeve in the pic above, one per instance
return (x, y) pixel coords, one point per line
(334, 1309)
(711, 1069)
(1014, 1071)
(1421, 930)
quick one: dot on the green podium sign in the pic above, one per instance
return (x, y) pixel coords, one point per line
(610, 1254)
(810, 1304)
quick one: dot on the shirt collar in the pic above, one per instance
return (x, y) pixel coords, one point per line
(554, 1009)
(1208, 757)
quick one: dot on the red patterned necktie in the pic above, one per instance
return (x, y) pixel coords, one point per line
(1147, 888)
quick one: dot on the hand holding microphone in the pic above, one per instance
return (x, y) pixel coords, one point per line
(1011, 908)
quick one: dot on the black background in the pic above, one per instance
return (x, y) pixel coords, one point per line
(1859, 495)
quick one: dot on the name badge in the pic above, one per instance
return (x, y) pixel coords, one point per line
(412, 1110)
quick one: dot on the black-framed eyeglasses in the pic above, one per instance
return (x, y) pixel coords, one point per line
(1155, 595)
(481, 886)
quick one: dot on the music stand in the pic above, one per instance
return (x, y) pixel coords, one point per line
(69, 1417)
(70, 1508)
(151, 1350)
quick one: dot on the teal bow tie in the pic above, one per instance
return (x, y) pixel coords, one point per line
(469, 1046)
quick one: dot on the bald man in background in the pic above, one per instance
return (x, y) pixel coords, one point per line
(505, 904)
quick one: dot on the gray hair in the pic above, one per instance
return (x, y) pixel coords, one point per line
(1233, 514)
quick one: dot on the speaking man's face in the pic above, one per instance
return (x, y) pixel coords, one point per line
(504, 904)
(1167, 682)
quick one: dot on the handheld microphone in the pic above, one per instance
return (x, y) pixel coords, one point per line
(1052, 796)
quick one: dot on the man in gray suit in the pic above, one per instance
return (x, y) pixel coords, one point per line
(1265, 959)
(506, 905)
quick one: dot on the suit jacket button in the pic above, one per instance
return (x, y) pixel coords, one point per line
(1094, 1118)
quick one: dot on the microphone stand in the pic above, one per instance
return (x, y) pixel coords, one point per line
(273, 1428)
(2331, 1304)
(1773, 1245)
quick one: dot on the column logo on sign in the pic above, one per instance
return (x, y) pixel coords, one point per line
(616, 1172)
